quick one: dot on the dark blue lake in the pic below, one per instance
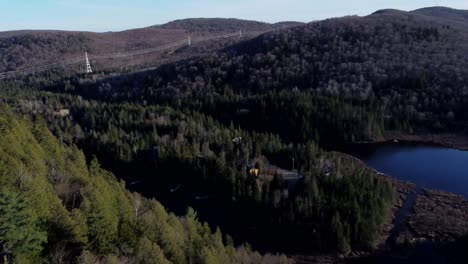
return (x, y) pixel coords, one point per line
(427, 166)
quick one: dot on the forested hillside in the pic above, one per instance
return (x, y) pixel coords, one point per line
(165, 148)
(24, 49)
(206, 130)
(447, 14)
(56, 207)
(222, 25)
(339, 80)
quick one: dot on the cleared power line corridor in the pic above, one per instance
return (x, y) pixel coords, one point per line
(89, 57)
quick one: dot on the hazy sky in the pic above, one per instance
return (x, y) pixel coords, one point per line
(113, 15)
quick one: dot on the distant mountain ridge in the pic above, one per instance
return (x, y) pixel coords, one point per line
(445, 13)
(26, 48)
(214, 25)
(22, 48)
(441, 15)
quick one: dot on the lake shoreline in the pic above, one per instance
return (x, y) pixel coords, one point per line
(402, 190)
(450, 140)
(434, 220)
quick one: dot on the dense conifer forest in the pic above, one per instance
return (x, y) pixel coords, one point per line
(200, 152)
(57, 206)
(216, 133)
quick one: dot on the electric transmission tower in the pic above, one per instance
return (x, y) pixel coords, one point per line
(88, 65)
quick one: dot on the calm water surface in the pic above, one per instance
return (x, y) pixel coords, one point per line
(427, 166)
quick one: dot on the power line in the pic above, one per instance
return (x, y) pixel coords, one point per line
(189, 41)
(46, 67)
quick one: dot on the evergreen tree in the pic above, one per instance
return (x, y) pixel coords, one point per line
(20, 235)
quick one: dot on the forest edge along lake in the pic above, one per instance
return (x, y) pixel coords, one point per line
(429, 166)
(432, 182)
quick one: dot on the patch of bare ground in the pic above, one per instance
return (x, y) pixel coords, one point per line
(438, 217)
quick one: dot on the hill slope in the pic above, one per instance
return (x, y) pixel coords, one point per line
(335, 81)
(445, 13)
(28, 48)
(55, 207)
(222, 25)
(407, 70)
(19, 49)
